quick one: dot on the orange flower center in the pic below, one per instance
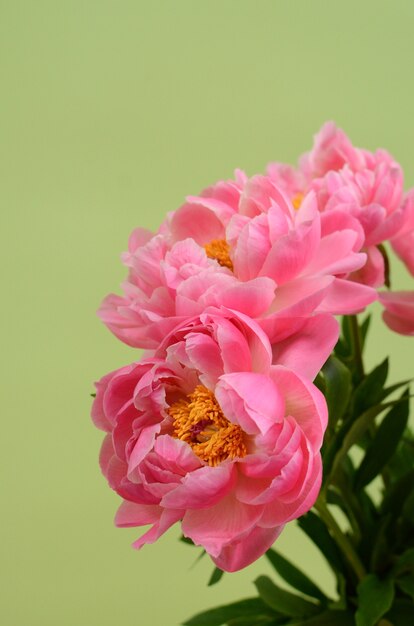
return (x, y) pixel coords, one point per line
(297, 200)
(199, 420)
(219, 250)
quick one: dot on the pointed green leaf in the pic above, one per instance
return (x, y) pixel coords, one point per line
(253, 607)
(387, 391)
(383, 445)
(397, 494)
(353, 434)
(402, 613)
(405, 562)
(295, 577)
(283, 601)
(316, 530)
(369, 391)
(328, 618)
(338, 387)
(406, 584)
(375, 598)
(364, 328)
(247, 620)
(215, 576)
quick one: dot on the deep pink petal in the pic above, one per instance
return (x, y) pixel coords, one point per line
(345, 297)
(304, 402)
(176, 455)
(306, 351)
(250, 400)
(240, 554)
(219, 525)
(202, 488)
(198, 222)
(167, 518)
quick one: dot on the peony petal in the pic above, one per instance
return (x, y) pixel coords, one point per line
(306, 351)
(219, 525)
(202, 488)
(250, 400)
(240, 554)
(344, 297)
(304, 402)
(198, 222)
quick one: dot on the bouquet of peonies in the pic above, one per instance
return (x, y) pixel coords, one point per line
(245, 409)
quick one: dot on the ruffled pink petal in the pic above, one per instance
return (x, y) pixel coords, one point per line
(304, 402)
(345, 297)
(131, 514)
(373, 272)
(292, 253)
(219, 525)
(399, 311)
(139, 237)
(337, 220)
(260, 194)
(335, 254)
(250, 400)
(176, 455)
(143, 445)
(306, 351)
(98, 415)
(331, 150)
(167, 518)
(300, 297)
(240, 554)
(252, 298)
(251, 333)
(203, 488)
(282, 511)
(198, 222)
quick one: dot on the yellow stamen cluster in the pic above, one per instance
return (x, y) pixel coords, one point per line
(199, 420)
(219, 250)
(297, 200)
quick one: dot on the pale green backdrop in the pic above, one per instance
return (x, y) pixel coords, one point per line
(111, 111)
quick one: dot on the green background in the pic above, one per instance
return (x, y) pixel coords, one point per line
(111, 112)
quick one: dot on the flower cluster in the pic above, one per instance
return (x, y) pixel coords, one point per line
(220, 426)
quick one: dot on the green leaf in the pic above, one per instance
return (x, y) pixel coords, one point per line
(369, 391)
(316, 530)
(247, 620)
(402, 613)
(328, 618)
(352, 434)
(283, 601)
(215, 576)
(338, 387)
(253, 607)
(406, 584)
(397, 494)
(375, 598)
(387, 391)
(364, 328)
(405, 562)
(383, 445)
(408, 508)
(295, 577)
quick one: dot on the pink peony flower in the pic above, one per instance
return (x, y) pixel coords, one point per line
(207, 432)
(240, 244)
(403, 243)
(399, 311)
(365, 185)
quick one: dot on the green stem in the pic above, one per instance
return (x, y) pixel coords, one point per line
(341, 539)
(356, 345)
